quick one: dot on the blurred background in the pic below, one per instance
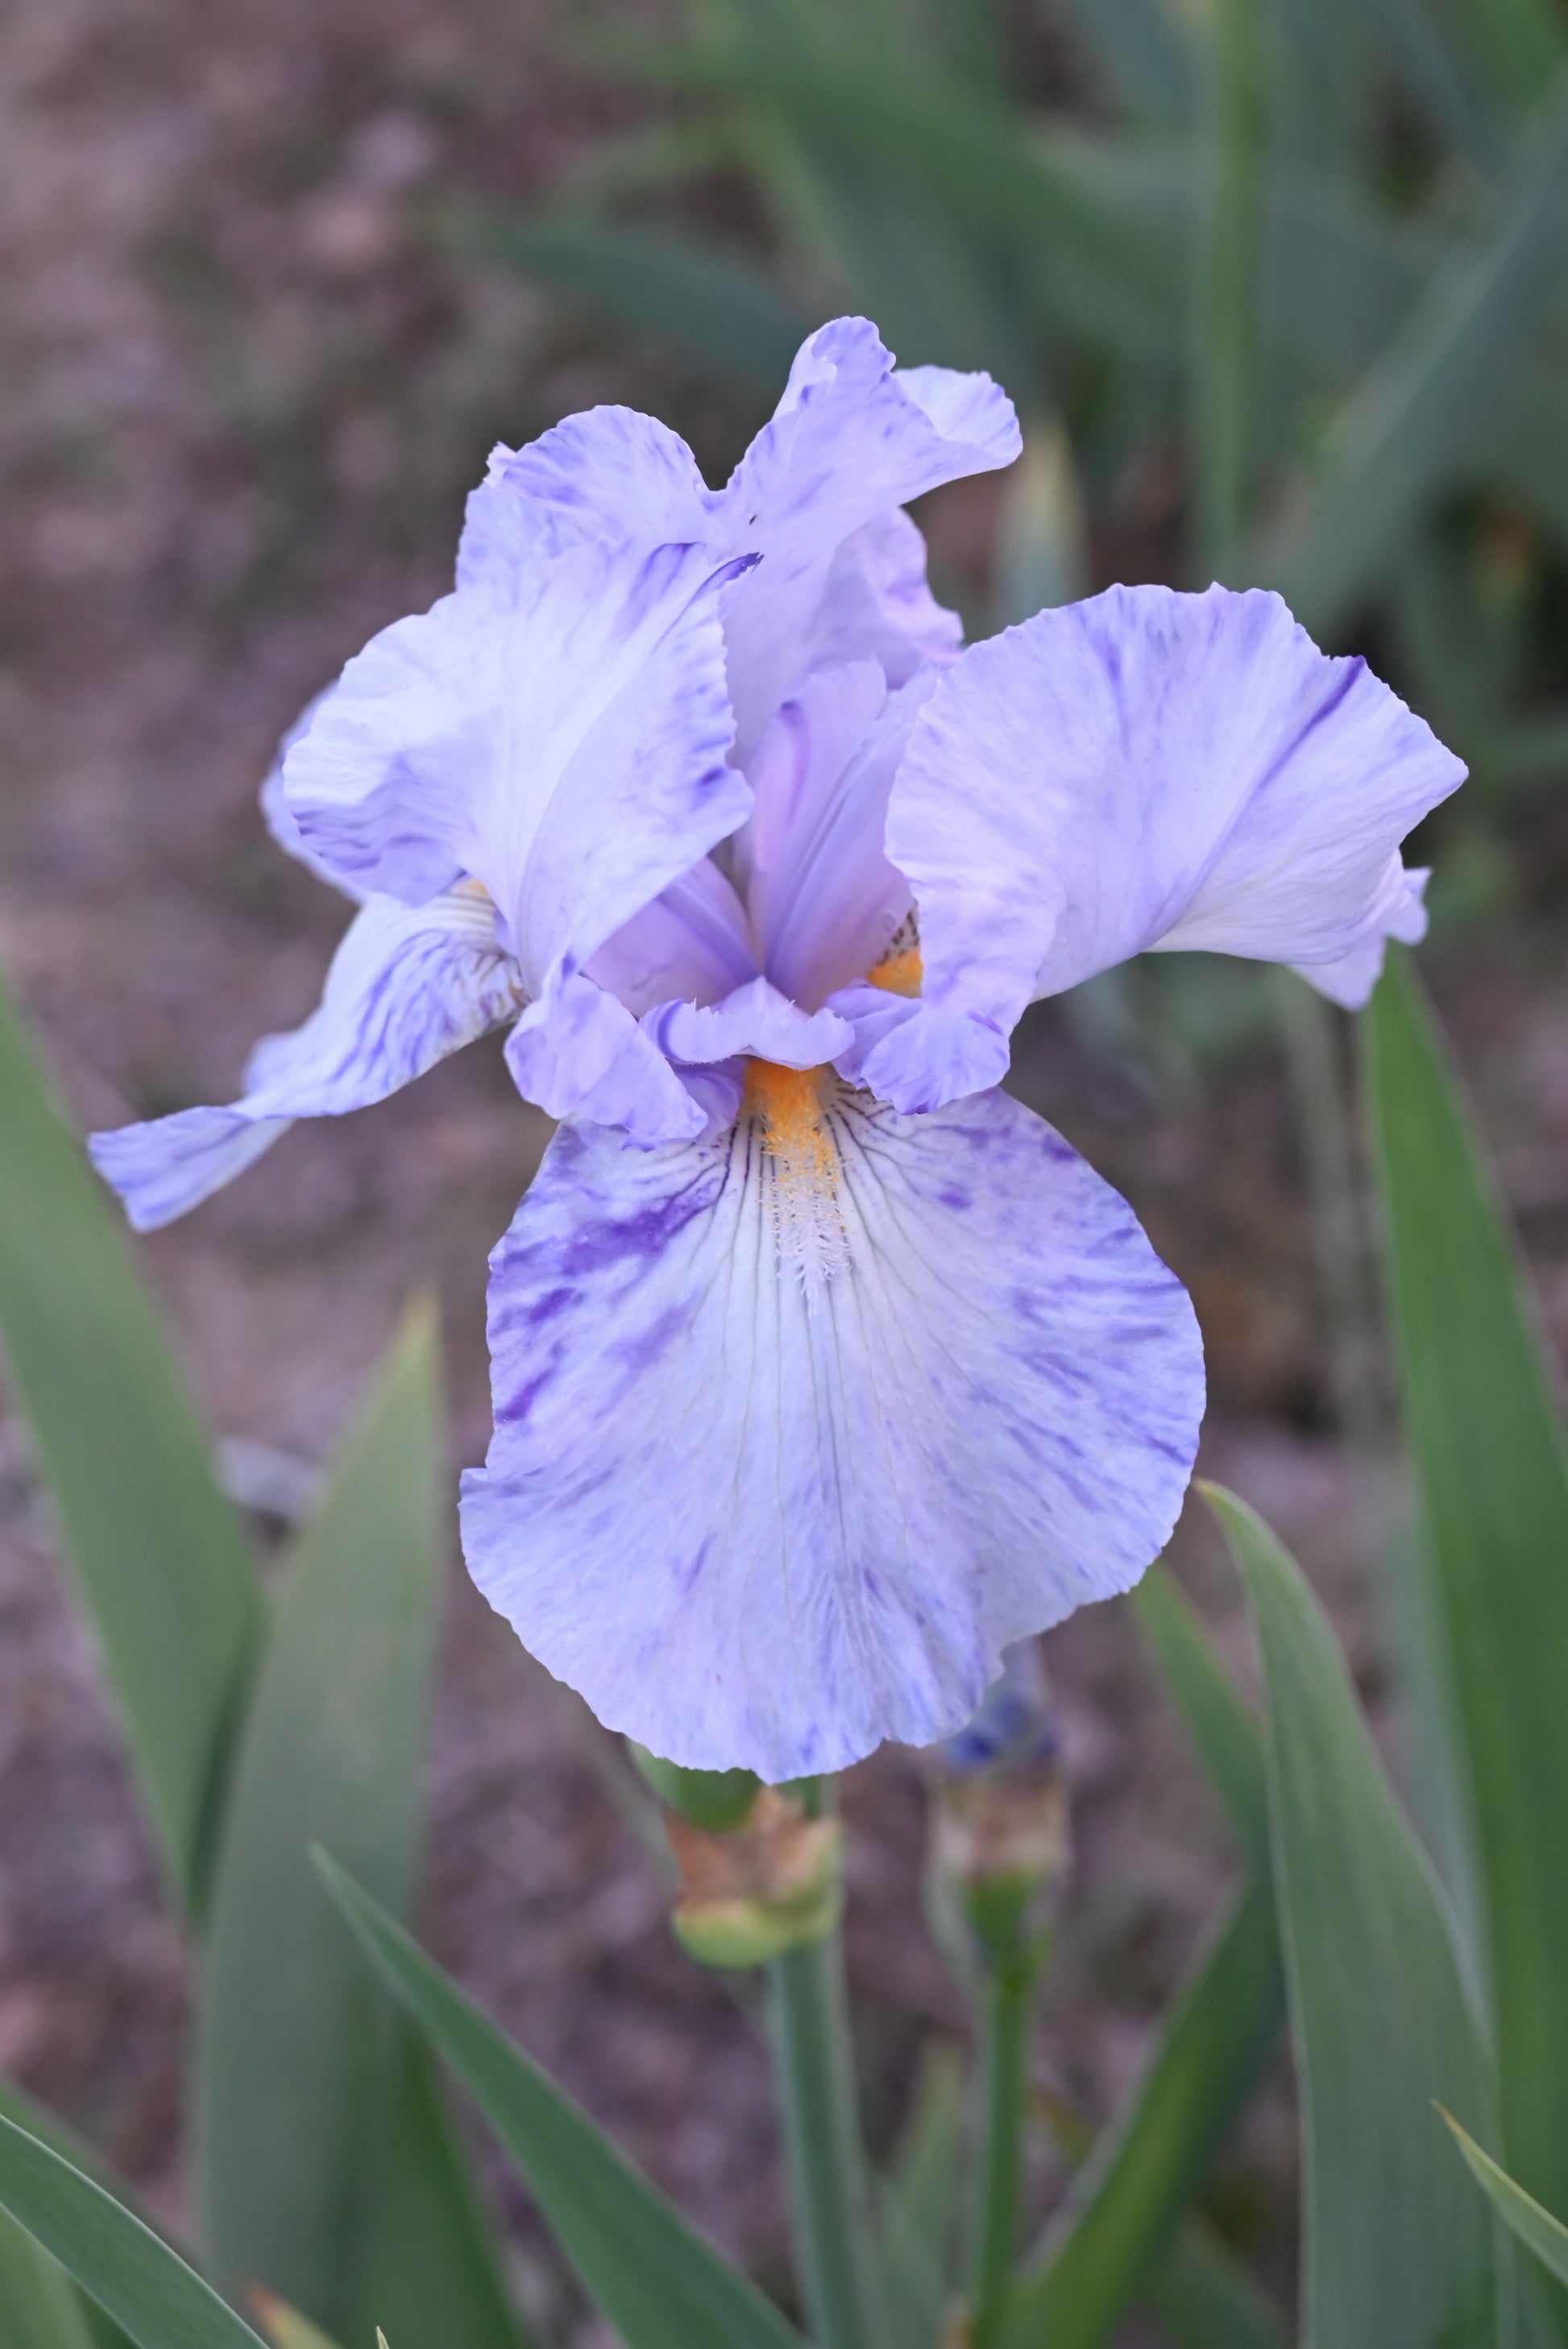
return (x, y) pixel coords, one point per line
(1279, 291)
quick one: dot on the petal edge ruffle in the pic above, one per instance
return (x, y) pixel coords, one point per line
(766, 1522)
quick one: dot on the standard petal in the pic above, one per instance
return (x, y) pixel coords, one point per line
(876, 605)
(406, 987)
(824, 898)
(693, 942)
(767, 1521)
(1350, 978)
(566, 749)
(1145, 769)
(608, 474)
(853, 438)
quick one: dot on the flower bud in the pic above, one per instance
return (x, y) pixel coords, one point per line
(750, 1892)
(999, 1827)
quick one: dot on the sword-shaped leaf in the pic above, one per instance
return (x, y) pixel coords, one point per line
(305, 2132)
(1396, 2256)
(161, 1558)
(652, 2275)
(1484, 1419)
(146, 2287)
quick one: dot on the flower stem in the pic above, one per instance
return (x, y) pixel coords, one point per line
(814, 2067)
(1008, 2002)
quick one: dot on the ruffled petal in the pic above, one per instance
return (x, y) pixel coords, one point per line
(851, 437)
(824, 898)
(693, 942)
(756, 1022)
(608, 474)
(406, 987)
(579, 1052)
(566, 750)
(876, 605)
(1145, 769)
(1350, 978)
(764, 1520)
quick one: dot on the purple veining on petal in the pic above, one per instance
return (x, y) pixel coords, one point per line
(1144, 769)
(815, 1578)
(406, 987)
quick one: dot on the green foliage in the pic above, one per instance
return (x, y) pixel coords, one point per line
(1203, 2297)
(1432, 393)
(21, 2110)
(919, 2202)
(1484, 1422)
(655, 2279)
(301, 2127)
(1396, 2258)
(147, 2287)
(1225, 1733)
(1330, 233)
(720, 307)
(162, 1563)
(40, 2307)
(1547, 2237)
(1124, 2209)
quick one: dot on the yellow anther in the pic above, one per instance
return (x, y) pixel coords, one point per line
(899, 974)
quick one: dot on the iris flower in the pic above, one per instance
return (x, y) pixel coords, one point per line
(822, 1369)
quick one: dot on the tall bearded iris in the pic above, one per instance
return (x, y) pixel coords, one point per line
(822, 1369)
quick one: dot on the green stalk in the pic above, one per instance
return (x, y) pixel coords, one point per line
(1228, 263)
(814, 2067)
(1008, 2000)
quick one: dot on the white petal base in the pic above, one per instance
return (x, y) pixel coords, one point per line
(767, 1500)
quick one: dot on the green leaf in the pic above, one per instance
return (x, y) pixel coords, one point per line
(716, 303)
(1419, 413)
(162, 1562)
(1205, 2298)
(655, 2277)
(299, 2126)
(147, 2287)
(1340, 275)
(1396, 2258)
(1547, 2237)
(27, 2114)
(1227, 280)
(39, 2121)
(1050, 228)
(38, 2305)
(1101, 2253)
(1202, 2293)
(430, 2256)
(919, 2202)
(1219, 1724)
(1484, 1421)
